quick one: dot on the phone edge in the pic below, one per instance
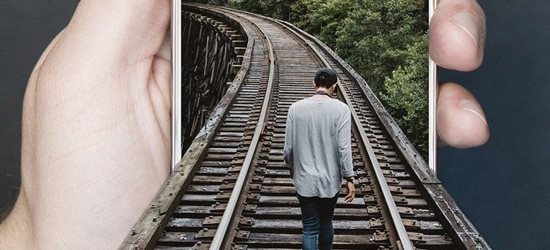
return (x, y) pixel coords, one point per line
(176, 151)
(432, 110)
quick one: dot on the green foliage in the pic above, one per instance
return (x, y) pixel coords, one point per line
(383, 40)
(322, 18)
(197, 1)
(280, 9)
(406, 92)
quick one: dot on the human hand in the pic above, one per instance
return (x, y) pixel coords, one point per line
(351, 191)
(457, 41)
(96, 128)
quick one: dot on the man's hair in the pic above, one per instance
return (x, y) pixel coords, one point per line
(325, 77)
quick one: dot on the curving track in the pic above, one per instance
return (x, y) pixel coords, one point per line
(233, 190)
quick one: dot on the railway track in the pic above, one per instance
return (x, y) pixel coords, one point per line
(234, 191)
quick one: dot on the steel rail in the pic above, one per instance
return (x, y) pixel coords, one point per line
(227, 216)
(397, 221)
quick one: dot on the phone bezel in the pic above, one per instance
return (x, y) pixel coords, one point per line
(176, 152)
(432, 104)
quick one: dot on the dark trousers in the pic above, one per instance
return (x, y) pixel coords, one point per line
(317, 216)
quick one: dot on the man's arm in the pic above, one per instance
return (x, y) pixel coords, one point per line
(346, 159)
(287, 151)
(344, 145)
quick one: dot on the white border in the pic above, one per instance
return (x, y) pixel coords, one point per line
(432, 86)
(176, 85)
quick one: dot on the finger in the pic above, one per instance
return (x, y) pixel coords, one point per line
(461, 122)
(350, 196)
(457, 34)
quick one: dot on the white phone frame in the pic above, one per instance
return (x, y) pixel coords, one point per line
(432, 103)
(176, 85)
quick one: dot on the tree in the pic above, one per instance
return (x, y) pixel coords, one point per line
(406, 94)
(280, 9)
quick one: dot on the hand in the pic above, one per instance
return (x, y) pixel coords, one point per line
(96, 128)
(351, 191)
(457, 41)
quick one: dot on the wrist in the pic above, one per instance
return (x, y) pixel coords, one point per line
(349, 179)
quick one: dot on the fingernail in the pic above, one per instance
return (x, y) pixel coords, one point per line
(473, 107)
(466, 21)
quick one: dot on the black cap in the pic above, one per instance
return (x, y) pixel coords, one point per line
(325, 77)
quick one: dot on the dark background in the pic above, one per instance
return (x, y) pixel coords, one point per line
(503, 187)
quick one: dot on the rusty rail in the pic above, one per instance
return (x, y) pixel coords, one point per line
(240, 183)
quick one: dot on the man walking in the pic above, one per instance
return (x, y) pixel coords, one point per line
(318, 150)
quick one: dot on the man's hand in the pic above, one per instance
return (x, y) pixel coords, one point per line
(457, 41)
(96, 128)
(351, 191)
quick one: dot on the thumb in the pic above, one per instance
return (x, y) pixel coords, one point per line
(124, 30)
(457, 34)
